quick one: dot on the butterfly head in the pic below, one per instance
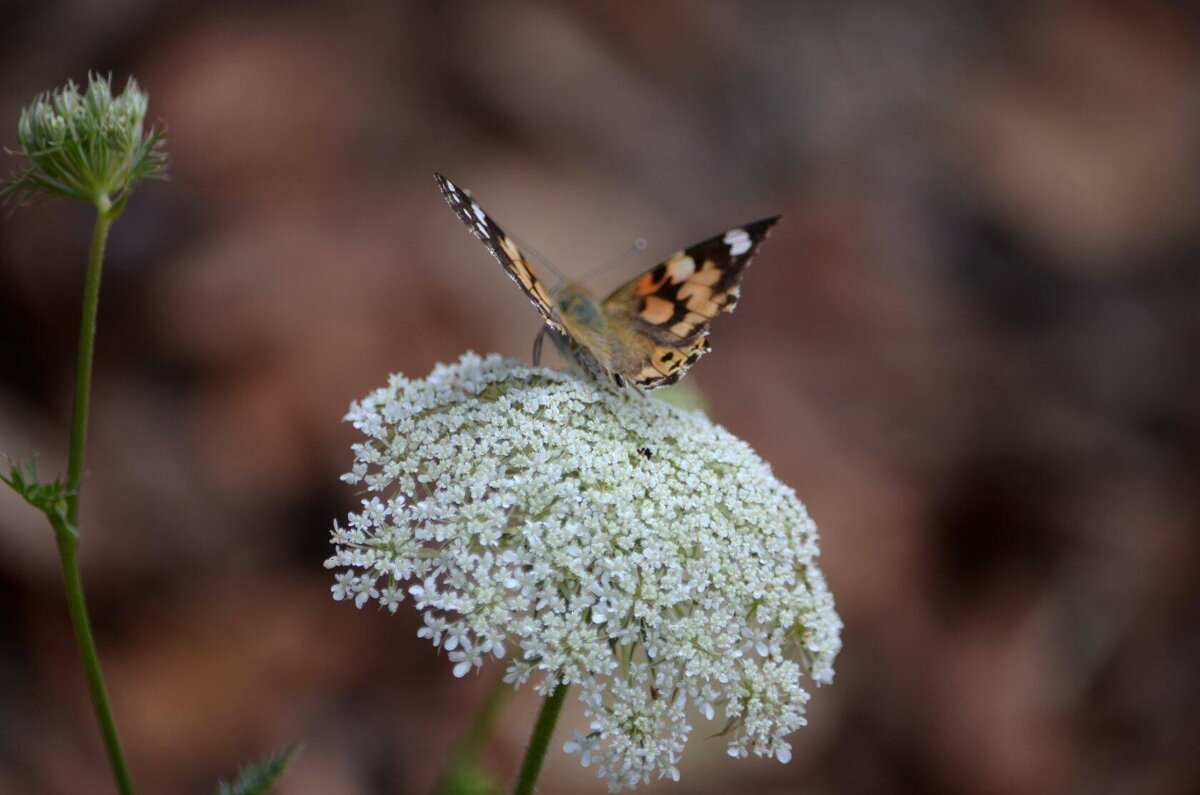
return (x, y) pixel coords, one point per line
(577, 306)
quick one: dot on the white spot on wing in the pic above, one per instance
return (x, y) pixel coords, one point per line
(475, 208)
(681, 269)
(738, 241)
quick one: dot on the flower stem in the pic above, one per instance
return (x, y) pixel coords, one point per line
(91, 662)
(463, 757)
(539, 741)
(66, 532)
(83, 368)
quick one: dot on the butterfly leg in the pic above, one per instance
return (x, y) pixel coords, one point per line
(537, 347)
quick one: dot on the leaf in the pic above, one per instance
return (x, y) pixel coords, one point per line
(49, 498)
(258, 778)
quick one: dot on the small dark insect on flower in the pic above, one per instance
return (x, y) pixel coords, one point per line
(645, 452)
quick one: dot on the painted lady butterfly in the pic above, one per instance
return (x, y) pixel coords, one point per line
(651, 330)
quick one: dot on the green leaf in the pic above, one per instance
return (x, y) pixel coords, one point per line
(49, 498)
(258, 778)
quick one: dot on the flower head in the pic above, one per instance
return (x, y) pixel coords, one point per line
(522, 507)
(86, 145)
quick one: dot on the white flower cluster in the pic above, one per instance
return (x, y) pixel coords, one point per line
(601, 540)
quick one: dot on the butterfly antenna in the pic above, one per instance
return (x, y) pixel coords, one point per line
(638, 246)
(529, 250)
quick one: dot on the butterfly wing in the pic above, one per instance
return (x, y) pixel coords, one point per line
(502, 247)
(666, 311)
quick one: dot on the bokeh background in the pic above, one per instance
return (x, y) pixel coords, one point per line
(972, 345)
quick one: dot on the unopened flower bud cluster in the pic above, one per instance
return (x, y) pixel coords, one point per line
(89, 145)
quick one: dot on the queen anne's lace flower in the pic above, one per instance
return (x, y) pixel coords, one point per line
(608, 541)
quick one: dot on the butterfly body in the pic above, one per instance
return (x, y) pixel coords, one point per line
(588, 340)
(649, 331)
(597, 340)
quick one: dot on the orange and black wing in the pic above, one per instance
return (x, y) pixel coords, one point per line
(670, 306)
(506, 252)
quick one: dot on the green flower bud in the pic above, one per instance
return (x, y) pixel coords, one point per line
(88, 146)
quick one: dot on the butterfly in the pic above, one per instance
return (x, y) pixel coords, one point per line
(650, 331)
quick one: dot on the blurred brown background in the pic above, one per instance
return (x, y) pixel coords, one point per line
(971, 346)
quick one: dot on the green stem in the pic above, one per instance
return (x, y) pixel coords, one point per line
(539, 741)
(463, 757)
(66, 532)
(83, 368)
(91, 663)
